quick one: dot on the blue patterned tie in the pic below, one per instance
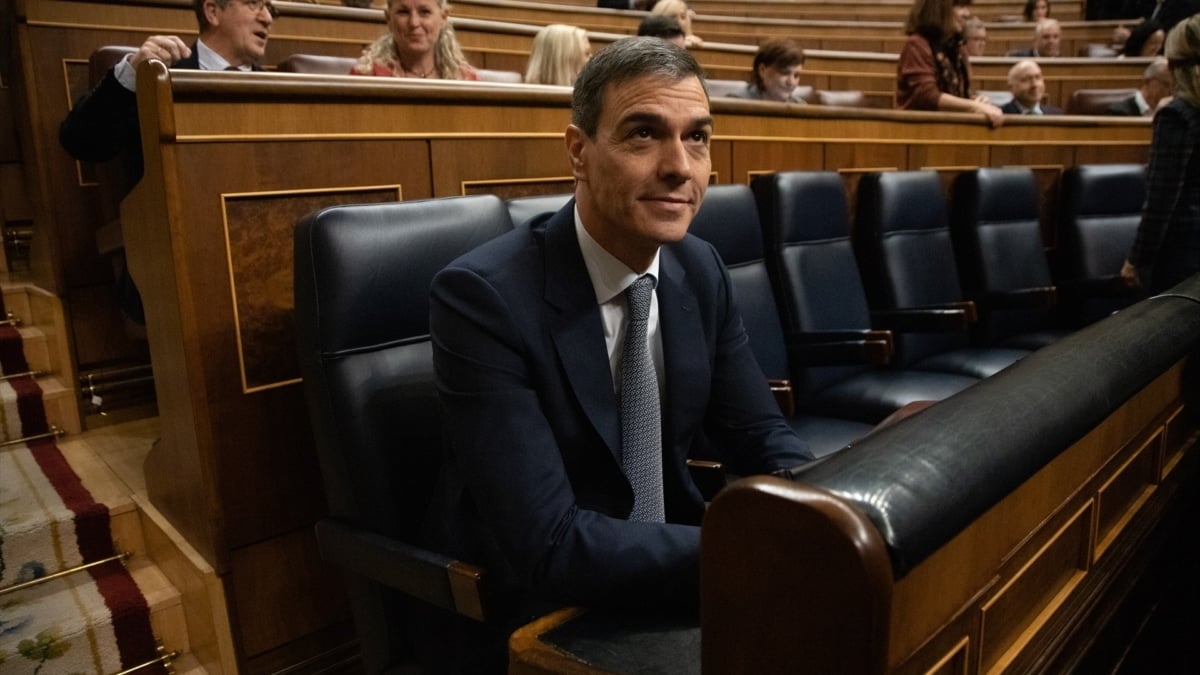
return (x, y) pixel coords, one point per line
(641, 430)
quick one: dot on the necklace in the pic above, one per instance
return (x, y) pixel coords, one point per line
(415, 73)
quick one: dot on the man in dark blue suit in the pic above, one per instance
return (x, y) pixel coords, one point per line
(528, 340)
(103, 124)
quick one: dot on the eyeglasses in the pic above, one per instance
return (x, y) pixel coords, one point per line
(256, 6)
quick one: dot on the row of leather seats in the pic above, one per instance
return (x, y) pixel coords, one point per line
(361, 281)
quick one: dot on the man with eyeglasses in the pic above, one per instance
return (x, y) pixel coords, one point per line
(103, 124)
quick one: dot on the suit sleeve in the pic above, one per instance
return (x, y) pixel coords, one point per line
(101, 123)
(1169, 153)
(506, 450)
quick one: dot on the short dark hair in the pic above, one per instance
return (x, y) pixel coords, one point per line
(660, 26)
(782, 52)
(198, 7)
(627, 59)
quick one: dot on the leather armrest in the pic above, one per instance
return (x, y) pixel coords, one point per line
(1109, 287)
(951, 317)
(782, 390)
(708, 476)
(437, 579)
(842, 347)
(1038, 296)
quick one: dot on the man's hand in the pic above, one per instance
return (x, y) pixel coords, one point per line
(166, 48)
(1129, 275)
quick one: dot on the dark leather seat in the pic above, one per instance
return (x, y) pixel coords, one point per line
(523, 209)
(362, 276)
(1095, 101)
(1002, 263)
(1100, 208)
(728, 219)
(902, 241)
(818, 294)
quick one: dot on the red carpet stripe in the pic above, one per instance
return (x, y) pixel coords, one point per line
(130, 615)
(12, 350)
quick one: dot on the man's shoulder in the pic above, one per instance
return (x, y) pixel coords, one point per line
(1010, 108)
(1051, 109)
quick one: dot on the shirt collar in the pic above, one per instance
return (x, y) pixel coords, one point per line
(1035, 110)
(610, 277)
(1142, 104)
(210, 60)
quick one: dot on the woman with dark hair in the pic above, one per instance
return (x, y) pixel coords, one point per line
(934, 71)
(1145, 39)
(1036, 10)
(775, 74)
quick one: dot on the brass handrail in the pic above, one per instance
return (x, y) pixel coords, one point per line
(62, 573)
(164, 657)
(54, 432)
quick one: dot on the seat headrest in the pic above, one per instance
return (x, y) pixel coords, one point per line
(1104, 189)
(728, 219)
(998, 194)
(804, 205)
(370, 266)
(523, 209)
(104, 58)
(900, 201)
(319, 64)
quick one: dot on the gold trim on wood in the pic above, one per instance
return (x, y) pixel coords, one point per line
(261, 292)
(508, 188)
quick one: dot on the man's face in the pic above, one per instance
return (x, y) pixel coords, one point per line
(976, 39)
(239, 30)
(640, 181)
(1027, 85)
(779, 81)
(1049, 42)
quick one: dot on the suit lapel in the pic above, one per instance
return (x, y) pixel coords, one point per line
(576, 327)
(685, 350)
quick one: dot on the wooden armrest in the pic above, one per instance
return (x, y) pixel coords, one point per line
(437, 579)
(951, 317)
(843, 347)
(1038, 296)
(782, 389)
(709, 477)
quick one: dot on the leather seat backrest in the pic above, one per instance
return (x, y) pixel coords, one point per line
(728, 219)
(1100, 208)
(509, 76)
(848, 98)
(1095, 101)
(523, 209)
(362, 278)
(997, 238)
(806, 237)
(902, 241)
(319, 64)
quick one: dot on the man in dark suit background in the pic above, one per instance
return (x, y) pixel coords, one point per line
(1028, 89)
(103, 125)
(528, 334)
(1156, 88)
(1047, 40)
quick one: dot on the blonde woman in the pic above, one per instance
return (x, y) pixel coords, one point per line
(419, 43)
(558, 54)
(1167, 248)
(679, 10)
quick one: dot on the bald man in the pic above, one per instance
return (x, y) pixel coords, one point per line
(1028, 89)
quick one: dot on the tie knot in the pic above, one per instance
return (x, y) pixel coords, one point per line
(638, 295)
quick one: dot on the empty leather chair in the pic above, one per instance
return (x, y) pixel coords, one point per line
(1002, 263)
(523, 209)
(1100, 208)
(826, 320)
(1095, 101)
(903, 246)
(728, 220)
(362, 276)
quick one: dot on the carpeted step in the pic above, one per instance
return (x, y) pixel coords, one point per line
(91, 622)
